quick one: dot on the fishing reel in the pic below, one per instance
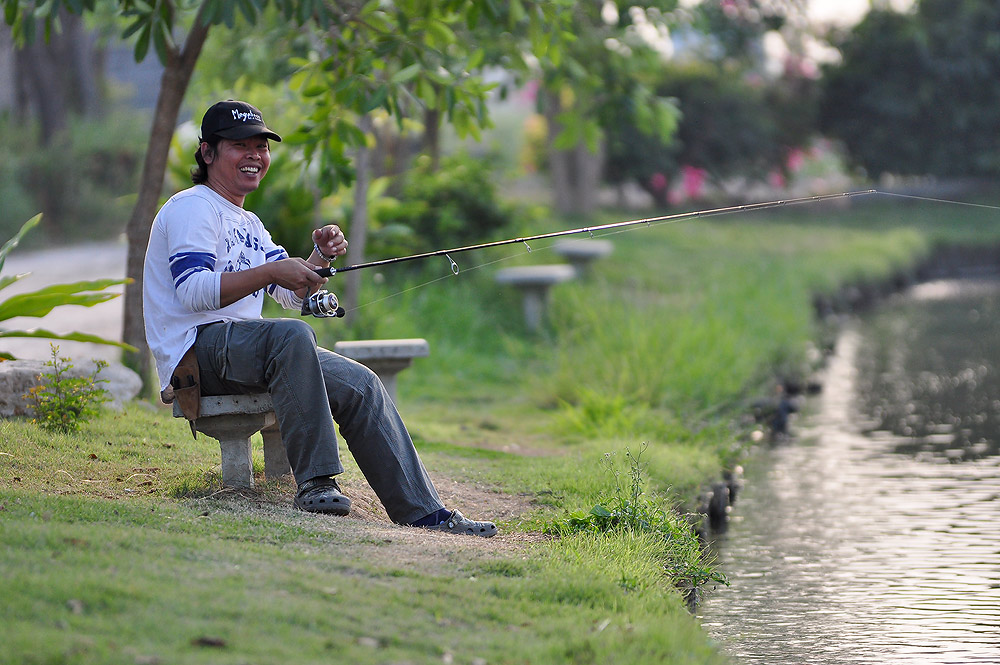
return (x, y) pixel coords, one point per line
(322, 305)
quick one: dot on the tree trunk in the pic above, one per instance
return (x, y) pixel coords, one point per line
(359, 218)
(559, 163)
(39, 76)
(576, 173)
(589, 166)
(432, 137)
(173, 85)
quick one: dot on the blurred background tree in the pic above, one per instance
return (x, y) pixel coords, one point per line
(918, 93)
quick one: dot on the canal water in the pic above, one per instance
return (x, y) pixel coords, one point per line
(874, 536)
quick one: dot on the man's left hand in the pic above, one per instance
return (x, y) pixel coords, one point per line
(330, 241)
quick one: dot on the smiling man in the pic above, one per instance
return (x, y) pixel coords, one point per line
(208, 264)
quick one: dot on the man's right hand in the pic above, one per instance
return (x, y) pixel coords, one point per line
(294, 274)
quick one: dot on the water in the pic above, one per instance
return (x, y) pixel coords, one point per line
(874, 537)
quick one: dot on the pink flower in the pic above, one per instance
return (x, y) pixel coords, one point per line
(796, 158)
(694, 181)
(658, 182)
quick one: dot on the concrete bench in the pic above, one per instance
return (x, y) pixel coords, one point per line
(385, 357)
(534, 283)
(232, 420)
(581, 253)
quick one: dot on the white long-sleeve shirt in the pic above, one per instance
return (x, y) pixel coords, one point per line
(196, 236)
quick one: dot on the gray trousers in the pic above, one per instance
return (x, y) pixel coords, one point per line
(311, 388)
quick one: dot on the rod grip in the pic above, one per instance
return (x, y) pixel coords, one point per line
(325, 272)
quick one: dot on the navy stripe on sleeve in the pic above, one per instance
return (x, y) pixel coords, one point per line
(276, 254)
(185, 264)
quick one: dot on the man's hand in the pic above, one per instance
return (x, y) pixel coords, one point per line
(297, 275)
(330, 241)
(294, 274)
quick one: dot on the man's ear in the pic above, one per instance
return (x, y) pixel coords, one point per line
(207, 152)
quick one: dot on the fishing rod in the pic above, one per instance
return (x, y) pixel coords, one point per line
(324, 304)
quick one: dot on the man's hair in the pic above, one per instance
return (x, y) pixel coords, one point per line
(199, 174)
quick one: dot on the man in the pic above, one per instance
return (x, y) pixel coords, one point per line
(208, 264)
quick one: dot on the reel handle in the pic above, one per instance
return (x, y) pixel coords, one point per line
(322, 305)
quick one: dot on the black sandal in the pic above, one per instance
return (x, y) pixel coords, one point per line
(322, 495)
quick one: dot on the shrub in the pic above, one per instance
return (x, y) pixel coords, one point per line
(62, 402)
(457, 204)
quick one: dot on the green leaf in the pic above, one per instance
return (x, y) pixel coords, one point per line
(161, 39)
(142, 44)
(10, 279)
(376, 99)
(79, 287)
(601, 511)
(38, 304)
(69, 337)
(405, 74)
(439, 34)
(477, 59)
(13, 242)
(248, 10)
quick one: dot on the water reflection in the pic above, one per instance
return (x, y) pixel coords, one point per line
(874, 538)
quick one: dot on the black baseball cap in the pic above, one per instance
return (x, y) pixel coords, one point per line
(233, 119)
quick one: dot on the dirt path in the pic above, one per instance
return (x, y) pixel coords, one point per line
(61, 266)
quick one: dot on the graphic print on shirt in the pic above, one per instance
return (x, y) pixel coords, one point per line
(240, 240)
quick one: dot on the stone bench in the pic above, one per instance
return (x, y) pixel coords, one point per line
(534, 283)
(581, 253)
(385, 357)
(233, 419)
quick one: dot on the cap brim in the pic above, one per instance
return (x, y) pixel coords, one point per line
(246, 131)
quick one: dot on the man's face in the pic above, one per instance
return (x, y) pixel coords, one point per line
(237, 166)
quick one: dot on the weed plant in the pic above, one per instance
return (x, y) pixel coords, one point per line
(629, 511)
(63, 402)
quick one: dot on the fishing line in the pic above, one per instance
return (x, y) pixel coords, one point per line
(332, 307)
(603, 230)
(747, 207)
(934, 200)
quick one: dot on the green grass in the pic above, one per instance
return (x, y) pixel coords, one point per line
(118, 544)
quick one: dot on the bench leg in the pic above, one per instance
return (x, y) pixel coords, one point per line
(275, 458)
(233, 433)
(534, 302)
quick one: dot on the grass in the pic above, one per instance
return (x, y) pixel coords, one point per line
(118, 544)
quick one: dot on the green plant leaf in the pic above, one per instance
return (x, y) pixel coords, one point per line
(41, 333)
(13, 242)
(38, 305)
(10, 279)
(78, 287)
(405, 74)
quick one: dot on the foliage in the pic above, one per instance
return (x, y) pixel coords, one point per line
(726, 127)
(42, 301)
(916, 93)
(62, 402)
(630, 510)
(456, 204)
(604, 76)
(409, 57)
